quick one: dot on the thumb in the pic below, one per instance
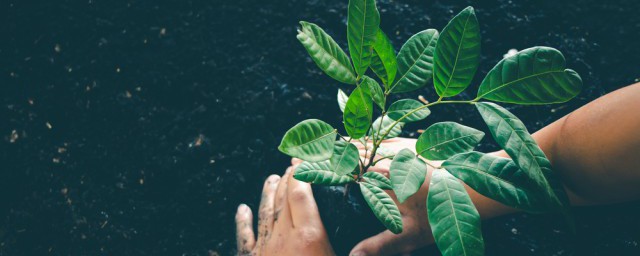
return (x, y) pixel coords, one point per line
(385, 243)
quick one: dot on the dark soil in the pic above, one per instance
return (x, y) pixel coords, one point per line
(137, 127)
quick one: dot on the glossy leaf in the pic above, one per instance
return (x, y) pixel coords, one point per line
(512, 135)
(386, 127)
(326, 53)
(497, 178)
(345, 157)
(533, 76)
(376, 91)
(378, 180)
(454, 220)
(382, 206)
(457, 54)
(358, 112)
(362, 26)
(415, 62)
(445, 139)
(383, 61)
(320, 173)
(310, 140)
(414, 110)
(407, 173)
(342, 100)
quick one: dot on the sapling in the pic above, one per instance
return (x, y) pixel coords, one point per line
(450, 60)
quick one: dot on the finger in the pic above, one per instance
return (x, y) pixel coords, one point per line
(282, 214)
(304, 210)
(296, 161)
(245, 238)
(265, 215)
(387, 243)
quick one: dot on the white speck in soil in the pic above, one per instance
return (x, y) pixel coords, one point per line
(57, 48)
(514, 231)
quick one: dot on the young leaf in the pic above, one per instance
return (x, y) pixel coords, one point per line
(533, 76)
(457, 54)
(376, 91)
(454, 220)
(414, 108)
(378, 180)
(512, 135)
(358, 112)
(320, 173)
(445, 139)
(415, 62)
(310, 140)
(497, 178)
(382, 206)
(378, 130)
(383, 61)
(407, 174)
(342, 100)
(362, 25)
(345, 157)
(326, 53)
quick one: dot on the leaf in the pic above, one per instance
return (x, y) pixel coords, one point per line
(345, 157)
(326, 53)
(376, 91)
(342, 100)
(383, 60)
(385, 152)
(497, 178)
(407, 174)
(380, 129)
(310, 140)
(457, 54)
(454, 220)
(416, 110)
(362, 27)
(533, 76)
(415, 62)
(377, 180)
(358, 112)
(382, 206)
(445, 139)
(320, 173)
(512, 135)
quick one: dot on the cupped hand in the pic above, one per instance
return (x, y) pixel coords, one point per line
(288, 224)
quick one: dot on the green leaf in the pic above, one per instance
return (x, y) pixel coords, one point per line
(378, 180)
(375, 89)
(512, 135)
(454, 220)
(342, 100)
(457, 54)
(362, 27)
(383, 61)
(497, 178)
(326, 53)
(385, 152)
(358, 112)
(407, 174)
(445, 139)
(533, 76)
(386, 126)
(382, 206)
(320, 173)
(415, 62)
(345, 157)
(415, 110)
(310, 140)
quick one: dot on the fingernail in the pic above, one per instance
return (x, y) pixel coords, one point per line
(242, 208)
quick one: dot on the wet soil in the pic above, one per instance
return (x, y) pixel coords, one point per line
(137, 127)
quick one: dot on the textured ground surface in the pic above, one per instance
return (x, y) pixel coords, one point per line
(137, 127)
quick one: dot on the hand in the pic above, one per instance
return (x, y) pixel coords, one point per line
(417, 232)
(289, 222)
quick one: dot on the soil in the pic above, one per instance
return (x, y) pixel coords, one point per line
(137, 127)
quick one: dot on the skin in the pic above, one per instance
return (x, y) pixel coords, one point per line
(595, 150)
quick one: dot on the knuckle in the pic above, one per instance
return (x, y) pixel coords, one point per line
(299, 195)
(309, 235)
